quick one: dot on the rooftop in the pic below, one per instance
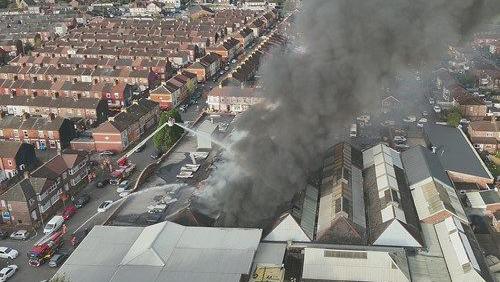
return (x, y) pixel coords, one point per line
(163, 252)
(455, 151)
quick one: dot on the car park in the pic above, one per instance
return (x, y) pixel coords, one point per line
(104, 206)
(20, 235)
(68, 212)
(7, 272)
(6, 252)
(82, 200)
(57, 259)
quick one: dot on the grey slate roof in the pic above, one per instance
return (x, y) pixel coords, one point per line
(420, 164)
(454, 150)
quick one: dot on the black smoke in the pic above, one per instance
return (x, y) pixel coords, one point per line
(344, 53)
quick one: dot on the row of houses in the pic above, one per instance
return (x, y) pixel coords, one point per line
(42, 132)
(174, 91)
(121, 130)
(117, 94)
(37, 195)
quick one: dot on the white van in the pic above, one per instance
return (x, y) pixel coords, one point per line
(54, 224)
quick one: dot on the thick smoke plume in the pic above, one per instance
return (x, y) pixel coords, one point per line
(351, 48)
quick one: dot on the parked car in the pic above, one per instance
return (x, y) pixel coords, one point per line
(156, 154)
(102, 183)
(68, 212)
(425, 113)
(6, 252)
(3, 235)
(398, 138)
(124, 185)
(422, 120)
(437, 109)
(82, 200)
(410, 118)
(140, 148)
(431, 100)
(420, 124)
(57, 259)
(233, 61)
(54, 224)
(7, 272)
(464, 121)
(107, 153)
(104, 206)
(20, 235)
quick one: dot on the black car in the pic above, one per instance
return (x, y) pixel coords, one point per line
(3, 235)
(155, 155)
(81, 200)
(57, 259)
(141, 148)
(102, 183)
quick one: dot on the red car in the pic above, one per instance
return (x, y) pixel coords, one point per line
(68, 212)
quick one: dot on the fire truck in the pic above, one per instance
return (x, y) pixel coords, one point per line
(44, 249)
(124, 170)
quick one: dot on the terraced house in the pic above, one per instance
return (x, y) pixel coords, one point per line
(41, 193)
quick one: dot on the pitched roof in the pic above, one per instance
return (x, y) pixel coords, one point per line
(9, 149)
(22, 191)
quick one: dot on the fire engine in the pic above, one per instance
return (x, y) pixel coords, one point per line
(44, 249)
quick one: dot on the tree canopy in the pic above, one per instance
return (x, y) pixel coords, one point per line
(453, 117)
(167, 136)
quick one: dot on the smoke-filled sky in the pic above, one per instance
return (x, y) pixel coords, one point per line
(352, 48)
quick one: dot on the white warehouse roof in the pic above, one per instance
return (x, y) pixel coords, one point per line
(163, 252)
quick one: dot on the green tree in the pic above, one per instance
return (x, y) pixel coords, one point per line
(168, 135)
(191, 86)
(453, 117)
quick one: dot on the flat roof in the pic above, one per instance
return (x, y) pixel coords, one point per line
(455, 151)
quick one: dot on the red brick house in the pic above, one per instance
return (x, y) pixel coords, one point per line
(227, 50)
(205, 67)
(119, 131)
(51, 132)
(244, 36)
(39, 194)
(15, 158)
(163, 96)
(471, 107)
(485, 135)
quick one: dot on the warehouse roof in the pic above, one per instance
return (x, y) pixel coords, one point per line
(163, 252)
(455, 151)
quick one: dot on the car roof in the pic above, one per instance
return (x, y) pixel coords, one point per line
(3, 248)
